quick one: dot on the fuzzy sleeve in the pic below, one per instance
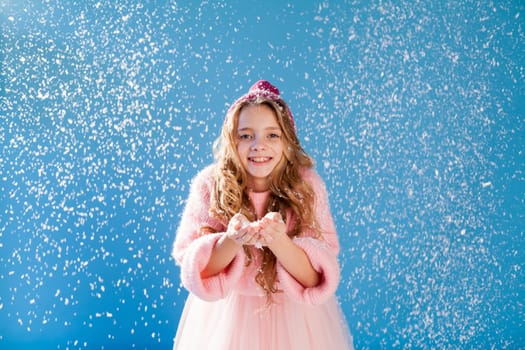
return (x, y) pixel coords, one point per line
(322, 252)
(192, 250)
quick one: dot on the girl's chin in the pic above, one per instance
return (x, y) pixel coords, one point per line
(259, 176)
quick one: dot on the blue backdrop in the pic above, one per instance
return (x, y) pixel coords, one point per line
(413, 111)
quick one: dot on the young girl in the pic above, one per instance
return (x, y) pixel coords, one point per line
(257, 245)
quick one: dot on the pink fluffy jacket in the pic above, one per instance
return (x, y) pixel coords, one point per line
(192, 250)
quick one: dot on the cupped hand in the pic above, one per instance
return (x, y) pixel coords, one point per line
(242, 231)
(272, 228)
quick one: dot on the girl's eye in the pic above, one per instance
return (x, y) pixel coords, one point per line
(245, 137)
(274, 136)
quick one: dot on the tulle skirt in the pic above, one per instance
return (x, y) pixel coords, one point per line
(242, 322)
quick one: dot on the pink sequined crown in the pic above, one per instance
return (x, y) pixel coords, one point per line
(265, 89)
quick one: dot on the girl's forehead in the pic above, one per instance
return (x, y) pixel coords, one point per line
(258, 107)
(257, 116)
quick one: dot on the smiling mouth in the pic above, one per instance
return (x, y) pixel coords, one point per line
(259, 159)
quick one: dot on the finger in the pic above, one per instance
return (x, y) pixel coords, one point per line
(251, 237)
(239, 218)
(274, 216)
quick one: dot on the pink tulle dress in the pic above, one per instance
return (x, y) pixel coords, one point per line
(229, 311)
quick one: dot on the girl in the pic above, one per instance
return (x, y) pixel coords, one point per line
(256, 244)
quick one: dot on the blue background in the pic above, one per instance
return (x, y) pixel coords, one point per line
(413, 111)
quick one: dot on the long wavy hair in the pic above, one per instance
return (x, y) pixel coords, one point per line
(288, 190)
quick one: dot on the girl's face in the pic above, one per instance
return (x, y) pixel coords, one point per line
(259, 144)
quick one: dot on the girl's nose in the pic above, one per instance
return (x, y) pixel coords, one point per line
(258, 144)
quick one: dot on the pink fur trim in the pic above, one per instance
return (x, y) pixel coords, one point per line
(195, 260)
(324, 261)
